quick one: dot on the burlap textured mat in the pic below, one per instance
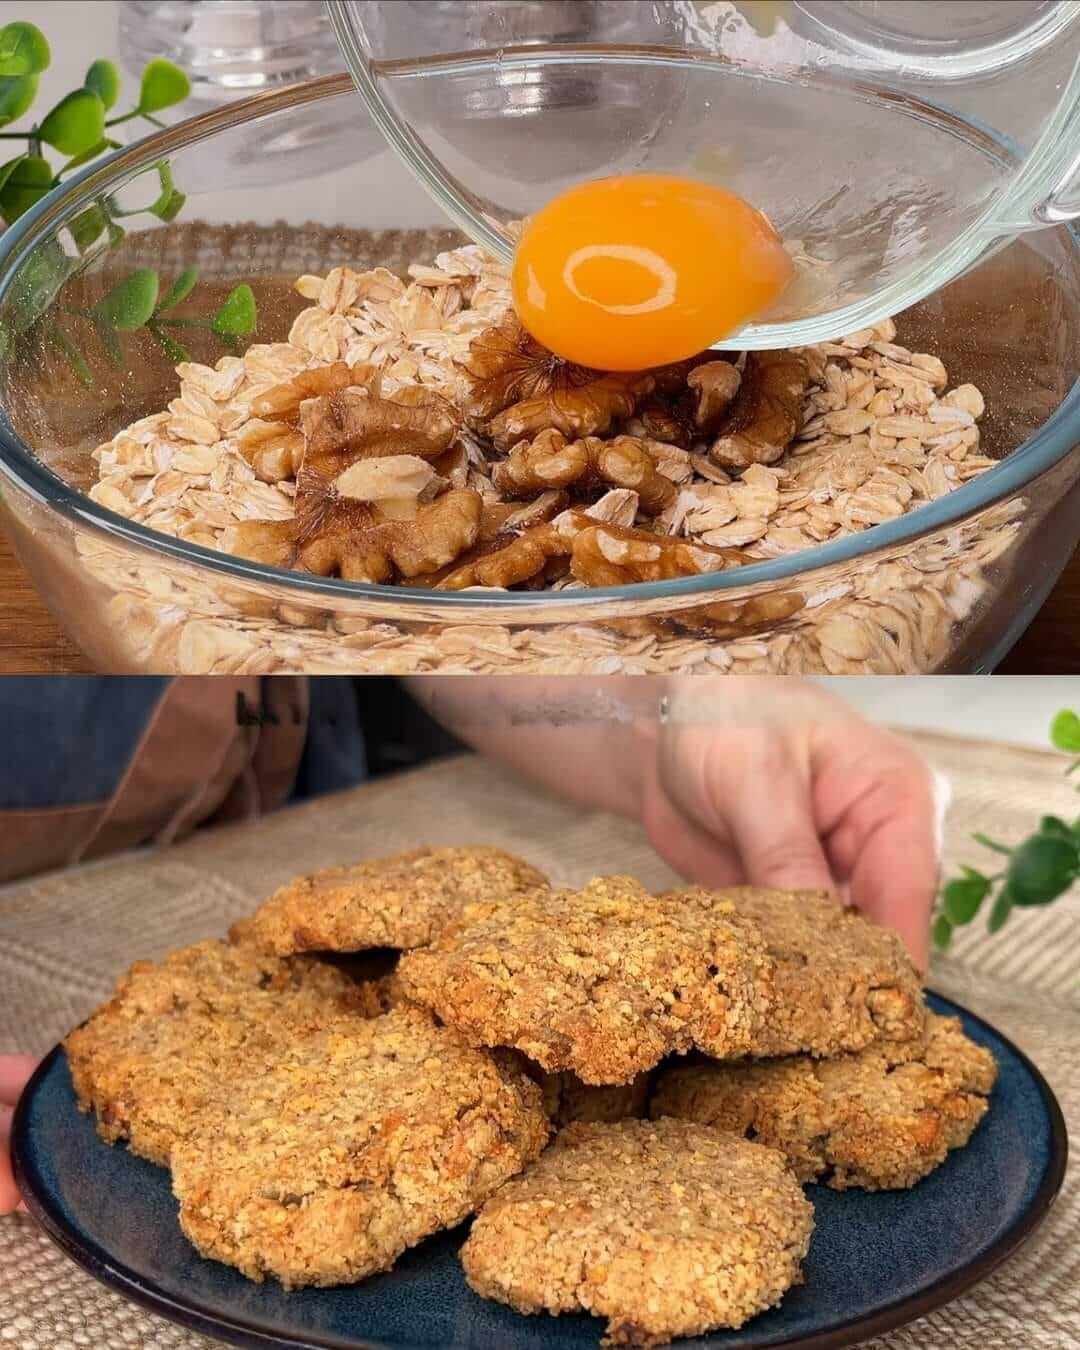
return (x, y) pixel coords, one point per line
(64, 938)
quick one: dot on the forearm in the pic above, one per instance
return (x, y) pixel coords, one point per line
(590, 740)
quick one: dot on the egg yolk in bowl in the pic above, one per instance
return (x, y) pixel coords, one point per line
(632, 272)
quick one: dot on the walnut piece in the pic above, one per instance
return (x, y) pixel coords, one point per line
(500, 518)
(518, 388)
(611, 555)
(354, 423)
(281, 402)
(689, 402)
(766, 413)
(511, 561)
(272, 542)
(341, 537)
(333, 535)
(275, 450)
(734, 618)
(551, 461)
(715, 385)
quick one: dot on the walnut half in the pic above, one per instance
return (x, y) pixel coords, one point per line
(766, 413)
(354, 423)
(518, 388)
(336, 536)
(611, 555)
(551, 461)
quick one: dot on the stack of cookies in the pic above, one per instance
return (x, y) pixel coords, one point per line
(628, 1089)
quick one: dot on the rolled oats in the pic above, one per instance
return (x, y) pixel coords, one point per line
(877, 434)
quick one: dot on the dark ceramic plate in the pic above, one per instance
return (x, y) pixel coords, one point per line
(876, 1261)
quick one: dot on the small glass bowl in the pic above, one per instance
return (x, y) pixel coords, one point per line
(948, 587)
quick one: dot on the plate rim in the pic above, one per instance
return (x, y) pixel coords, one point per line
(97, 1262)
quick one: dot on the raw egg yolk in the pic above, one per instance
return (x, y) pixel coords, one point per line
(627, 273)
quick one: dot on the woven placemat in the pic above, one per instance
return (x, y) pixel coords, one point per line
(64, 938)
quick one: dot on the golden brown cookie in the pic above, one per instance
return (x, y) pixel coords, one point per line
(402, 901)
(147, 1059)
(881, 1119)
(603, 982)
(840, 981)
(664, 1228)
(325, 1165)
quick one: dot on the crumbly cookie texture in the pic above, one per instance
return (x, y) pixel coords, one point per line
(323, 1165)
(664, 1228)
(402, 901)
(880, 1119)
(840, 982)
(148, 1060)
(603, 982)
(567, 1099)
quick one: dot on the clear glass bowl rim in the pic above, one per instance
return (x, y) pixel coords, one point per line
(1039, 453)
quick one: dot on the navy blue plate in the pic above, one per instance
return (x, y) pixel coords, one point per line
(876, 1261)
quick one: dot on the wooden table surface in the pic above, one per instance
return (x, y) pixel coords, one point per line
(31, 642)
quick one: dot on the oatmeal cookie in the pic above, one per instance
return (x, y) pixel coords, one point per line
(402, 901)
(664, 1228)
(881, 1119)
(146, 1061)
(840, 982)
(323, 1166)
(603, 982)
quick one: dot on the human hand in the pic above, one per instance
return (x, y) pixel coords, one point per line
(779, 783)
(747, 779)
(14, 1072)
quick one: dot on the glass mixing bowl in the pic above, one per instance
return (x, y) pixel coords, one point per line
(855, 125)
(947, 587)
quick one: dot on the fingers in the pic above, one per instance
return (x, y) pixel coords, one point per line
(894, 877)
(876, 803)
(15, 1070)
(702, 858)
(9, 1196)
(767, 806)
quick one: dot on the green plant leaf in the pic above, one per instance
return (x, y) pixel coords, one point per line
(6, 170)
(1042, 868)
(180, 289)
(1001, 910)
(17, 93)
(1056, 826)
(87, 226)
(168, 208)
(106, 143)
(108, 339)
(961, 899)
(103, 78)
(72, 356)
(23, 49)
(163, 85)
(942, 932)
(75, 124)
(128, 306)
(987, 842)
(28, 181)
(237, 316)
(1065, 731)
(172, 349)
(36, 285)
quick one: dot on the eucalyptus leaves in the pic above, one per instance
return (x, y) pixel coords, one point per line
(1039, 869)
(78, 127)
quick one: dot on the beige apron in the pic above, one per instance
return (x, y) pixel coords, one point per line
(215, 748)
